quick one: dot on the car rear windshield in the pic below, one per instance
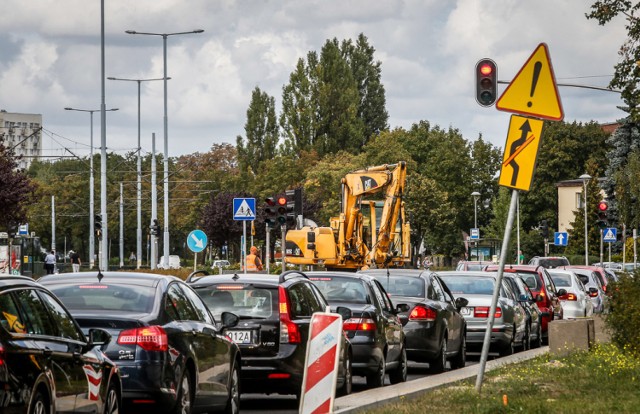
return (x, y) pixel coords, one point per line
(531, 279)
(341, 289)
(554, 262)
(469, 285)
(561, 280)
(113, 297)
(246, 301)
(402, 285)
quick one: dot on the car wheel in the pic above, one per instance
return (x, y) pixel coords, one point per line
(183, 403)
(347, 386)
(399, 374)
(112, 402)
(39, 404)
(440, 362)
(509, 349)
(526, 340)
(376, 379)
(460, 360)
(233, 403)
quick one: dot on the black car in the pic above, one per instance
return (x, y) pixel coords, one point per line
(47, 365)
(533, 336)
(434, 328)
(375, 330)
(171, 352)
(275, 314)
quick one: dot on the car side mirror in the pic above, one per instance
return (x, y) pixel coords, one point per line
(402, 307)
(523, 298)
(98, 337)
(344, 312)
(593, 292)
(229, 319)
(561, 292)
(461, 303)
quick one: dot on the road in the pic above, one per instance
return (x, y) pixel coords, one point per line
(282, 404)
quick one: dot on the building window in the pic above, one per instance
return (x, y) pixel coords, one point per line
(579, 200)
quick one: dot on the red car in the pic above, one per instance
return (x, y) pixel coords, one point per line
(543, 290)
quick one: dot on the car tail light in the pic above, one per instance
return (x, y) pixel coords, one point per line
(289, 331)
(422, 313)
(568, 296)
(279, 375)
(2, 356)
(149, 338)
(545, 299)
(483, 312)
(359, 324)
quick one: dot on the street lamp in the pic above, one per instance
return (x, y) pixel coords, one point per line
(92, 248)
(139, 173)
(476, 196)
(166, 135)
(585, 180)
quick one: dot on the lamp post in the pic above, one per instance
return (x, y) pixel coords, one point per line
(92, 243)
(139, 174)
(166, 135)
(476, 196)
(585, 181)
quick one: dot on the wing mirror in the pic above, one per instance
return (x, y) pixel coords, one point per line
(98, 337)
(593, 292)
(402, 307)
(561, 292)
(229, 319)
(461, 303)
(344, 312)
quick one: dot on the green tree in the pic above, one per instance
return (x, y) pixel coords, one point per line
(261, 129)
(16, 191)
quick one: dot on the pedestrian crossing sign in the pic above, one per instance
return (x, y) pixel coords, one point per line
(244, 209)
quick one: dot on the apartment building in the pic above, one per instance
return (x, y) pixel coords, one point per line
(22, 133)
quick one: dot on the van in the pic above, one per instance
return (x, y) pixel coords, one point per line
(174, 262)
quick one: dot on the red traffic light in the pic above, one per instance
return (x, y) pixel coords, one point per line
(486, 69)
(282, 201)
(603, 206)
(486, 82)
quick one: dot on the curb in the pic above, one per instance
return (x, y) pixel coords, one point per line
(377, 397)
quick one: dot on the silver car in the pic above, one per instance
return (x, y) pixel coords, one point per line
(576, 302)
(594, 288)
(510, 322)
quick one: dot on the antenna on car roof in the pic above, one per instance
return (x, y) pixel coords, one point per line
(100, 276)
(235, 276)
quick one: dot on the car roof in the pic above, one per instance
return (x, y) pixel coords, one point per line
(138, 278)
(510, 267)
(466, 273)
(263, 279)
(17, 281)
(361, 276)
(397, 272)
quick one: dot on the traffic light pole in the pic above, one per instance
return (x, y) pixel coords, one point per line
(283, 247)
(601, 246)
(267, 254)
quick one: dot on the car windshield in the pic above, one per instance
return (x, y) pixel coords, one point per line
(469, 285)
(246, 301)
(402, 285)
(341, 289)
(561, 280)
(111, 297)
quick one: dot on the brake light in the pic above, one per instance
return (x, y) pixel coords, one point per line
(483, 312)
(359, 324)
(568, 296)
(422, 313)
(289, 331)
(149, 338)
(2, 356)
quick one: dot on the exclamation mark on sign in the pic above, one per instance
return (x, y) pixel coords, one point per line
(536, 74)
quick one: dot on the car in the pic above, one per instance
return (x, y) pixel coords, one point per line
(576, 303)
(173, 355)
(375, 330)
(472, 265)
(592, 284)
(600, 273)
(510, 322)
(434, 329)
(220, 263)
(275, 314)
(543, 289)
(526, 299)
(174, 262)
(549, 262)
(47, 364)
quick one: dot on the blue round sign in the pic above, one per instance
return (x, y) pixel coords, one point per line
(197, 241)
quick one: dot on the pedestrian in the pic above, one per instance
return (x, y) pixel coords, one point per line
(132, 258)
(75, 261)
(253, 262)
(50, 262)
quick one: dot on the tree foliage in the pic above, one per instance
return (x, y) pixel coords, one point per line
(16, 191)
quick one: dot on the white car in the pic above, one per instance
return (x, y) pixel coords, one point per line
(174, 262)
(220, 263)
(576, 303)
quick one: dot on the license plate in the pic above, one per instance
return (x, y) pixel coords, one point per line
(240, 337)
(466, 311)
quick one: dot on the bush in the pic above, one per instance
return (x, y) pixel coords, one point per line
(623, 318)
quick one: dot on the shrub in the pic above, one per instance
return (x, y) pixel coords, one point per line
(623, 318)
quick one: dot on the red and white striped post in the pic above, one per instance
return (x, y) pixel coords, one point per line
(321, 364)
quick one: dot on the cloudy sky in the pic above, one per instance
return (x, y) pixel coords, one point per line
(50, 58)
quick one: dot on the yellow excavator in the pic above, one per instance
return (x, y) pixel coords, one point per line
(368, 233)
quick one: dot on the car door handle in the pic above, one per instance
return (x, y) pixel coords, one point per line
(47, 352)
(194, 332)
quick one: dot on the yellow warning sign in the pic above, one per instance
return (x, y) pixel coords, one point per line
(533, 91)
(520, 153)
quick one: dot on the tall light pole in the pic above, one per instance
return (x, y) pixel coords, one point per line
(476, 196)
(139, 173)
(166, 136)
(92, 243)
(585, 181)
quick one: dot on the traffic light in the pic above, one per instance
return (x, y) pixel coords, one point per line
(154, 227)
(270, 211)
(281, 210)
(486, 82)
(294, 206)
(603, 206)
(97, 225)
(544, 229)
